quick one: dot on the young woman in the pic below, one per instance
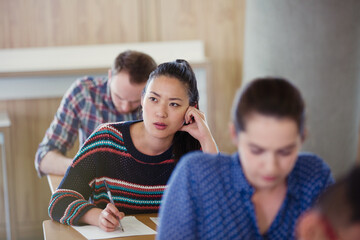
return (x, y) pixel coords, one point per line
(135, 158)
(258, 192)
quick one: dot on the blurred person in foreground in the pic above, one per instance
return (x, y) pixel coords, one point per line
(336, 214)
(258, 192)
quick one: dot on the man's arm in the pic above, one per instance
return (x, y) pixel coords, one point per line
(54, 163)
(61, 135)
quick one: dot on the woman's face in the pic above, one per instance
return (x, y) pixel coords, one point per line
(164, 106)
(268, 150)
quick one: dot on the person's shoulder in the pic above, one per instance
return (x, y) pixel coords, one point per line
(117, 127)
(310, 168)
(201, 160)
(105, 129)
(114, 125)
(89, 82)
(309, 162)
(203, 167)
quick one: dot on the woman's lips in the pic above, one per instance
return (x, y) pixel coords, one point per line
(269, 178)
(160, 126)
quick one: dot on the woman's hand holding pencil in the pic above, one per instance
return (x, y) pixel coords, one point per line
(110, 217)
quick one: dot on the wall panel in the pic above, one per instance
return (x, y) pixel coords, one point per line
(181, 19)
(29, 120)
(36, 23)
(220, 24)
(149, 12)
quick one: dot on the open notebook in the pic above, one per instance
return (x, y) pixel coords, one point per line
(132, 227)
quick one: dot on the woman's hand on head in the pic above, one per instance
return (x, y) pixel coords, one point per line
(196, 126)
(109, 218)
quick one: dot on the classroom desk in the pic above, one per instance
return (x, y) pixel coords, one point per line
(54, 181)
(56, 231)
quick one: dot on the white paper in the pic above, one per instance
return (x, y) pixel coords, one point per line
(155, 220)
(132, 227)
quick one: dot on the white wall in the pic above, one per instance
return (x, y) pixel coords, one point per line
(316, 45)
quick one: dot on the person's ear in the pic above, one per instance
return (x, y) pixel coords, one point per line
(233, 133)
(309, 226)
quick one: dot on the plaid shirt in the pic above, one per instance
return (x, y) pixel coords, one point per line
(85, 105)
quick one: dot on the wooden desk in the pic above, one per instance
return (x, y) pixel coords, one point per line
(54, 181)
(56, 231)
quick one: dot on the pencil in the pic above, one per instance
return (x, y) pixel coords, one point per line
(112, 201)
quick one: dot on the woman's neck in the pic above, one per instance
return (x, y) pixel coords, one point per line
(147, 144)
(267, 203)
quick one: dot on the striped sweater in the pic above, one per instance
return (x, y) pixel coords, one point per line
(136, 181)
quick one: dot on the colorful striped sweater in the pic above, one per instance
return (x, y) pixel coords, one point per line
(136, 181)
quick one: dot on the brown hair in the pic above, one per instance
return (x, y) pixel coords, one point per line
(340, 203)
(269, 96)
(139, 65)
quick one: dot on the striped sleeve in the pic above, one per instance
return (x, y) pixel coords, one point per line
(68, 214)
(71, 200)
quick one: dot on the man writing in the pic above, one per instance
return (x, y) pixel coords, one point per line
(90, 102)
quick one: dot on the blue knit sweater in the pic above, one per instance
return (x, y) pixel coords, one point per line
(208, 197)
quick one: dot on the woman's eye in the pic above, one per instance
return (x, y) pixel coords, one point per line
(285, 153)
(174, 105)
(152, 99)
(256, 151)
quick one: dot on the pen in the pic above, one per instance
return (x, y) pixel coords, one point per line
(112, 201)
